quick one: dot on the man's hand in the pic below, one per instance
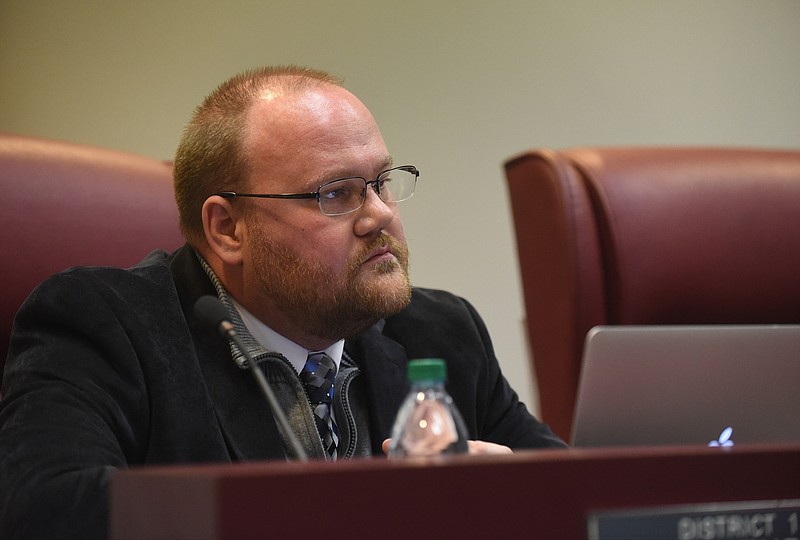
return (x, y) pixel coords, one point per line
(484, 447)
(475, 448)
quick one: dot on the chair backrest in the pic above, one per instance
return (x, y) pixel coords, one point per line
(67, 204)
(677, 235)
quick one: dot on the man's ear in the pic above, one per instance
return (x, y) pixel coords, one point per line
(223, 227)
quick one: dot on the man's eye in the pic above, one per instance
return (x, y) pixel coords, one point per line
(337, 192)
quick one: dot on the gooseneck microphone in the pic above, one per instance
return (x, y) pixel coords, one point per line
(209, 310)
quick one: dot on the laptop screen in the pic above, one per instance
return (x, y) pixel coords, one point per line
(707, 384)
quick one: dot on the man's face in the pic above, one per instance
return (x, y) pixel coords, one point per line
(312, 277)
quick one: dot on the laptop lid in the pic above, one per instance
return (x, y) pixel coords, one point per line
(663, 385)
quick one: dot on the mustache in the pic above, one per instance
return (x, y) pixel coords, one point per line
(398, 249)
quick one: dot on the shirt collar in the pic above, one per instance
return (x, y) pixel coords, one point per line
(273, 341)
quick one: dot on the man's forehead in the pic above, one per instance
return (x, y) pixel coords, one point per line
(310, 98)
(300, 114)
(367, 169)
(313, 132)
(270, 94)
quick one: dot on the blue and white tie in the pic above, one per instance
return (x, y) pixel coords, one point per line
(318, 376)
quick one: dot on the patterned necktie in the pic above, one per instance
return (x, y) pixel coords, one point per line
(318, 377)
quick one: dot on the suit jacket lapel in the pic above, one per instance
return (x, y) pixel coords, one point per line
(383, 361)
(243, 413)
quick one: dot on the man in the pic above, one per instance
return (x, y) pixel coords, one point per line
(288, 200)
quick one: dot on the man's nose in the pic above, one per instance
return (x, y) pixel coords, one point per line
(375, 213)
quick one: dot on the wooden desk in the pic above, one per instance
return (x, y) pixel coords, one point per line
(536, 494)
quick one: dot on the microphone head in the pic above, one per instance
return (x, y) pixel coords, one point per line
(208, 310)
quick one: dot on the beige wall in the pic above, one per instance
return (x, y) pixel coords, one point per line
(458, 86)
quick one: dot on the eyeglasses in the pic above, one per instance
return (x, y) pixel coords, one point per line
(346, 195)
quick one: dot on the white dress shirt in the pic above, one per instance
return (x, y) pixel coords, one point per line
(273, 341)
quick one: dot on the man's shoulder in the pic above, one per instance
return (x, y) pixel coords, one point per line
(433, 308)
(150, 277)
(424, 300)
(153, 264)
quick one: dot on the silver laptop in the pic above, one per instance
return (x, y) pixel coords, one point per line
(709, 385)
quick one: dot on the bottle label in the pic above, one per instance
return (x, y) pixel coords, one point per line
(430, 430)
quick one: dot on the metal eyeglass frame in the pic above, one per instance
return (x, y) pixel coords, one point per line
(376, 183)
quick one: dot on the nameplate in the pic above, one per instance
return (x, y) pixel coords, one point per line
(763, 520)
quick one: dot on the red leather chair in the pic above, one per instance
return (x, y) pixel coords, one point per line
(618, 236)
(67, 204)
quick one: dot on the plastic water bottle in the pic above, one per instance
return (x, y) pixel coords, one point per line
(428, 422)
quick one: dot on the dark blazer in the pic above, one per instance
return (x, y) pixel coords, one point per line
(108, 369)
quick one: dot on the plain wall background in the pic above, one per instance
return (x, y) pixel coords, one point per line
(457, 86)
